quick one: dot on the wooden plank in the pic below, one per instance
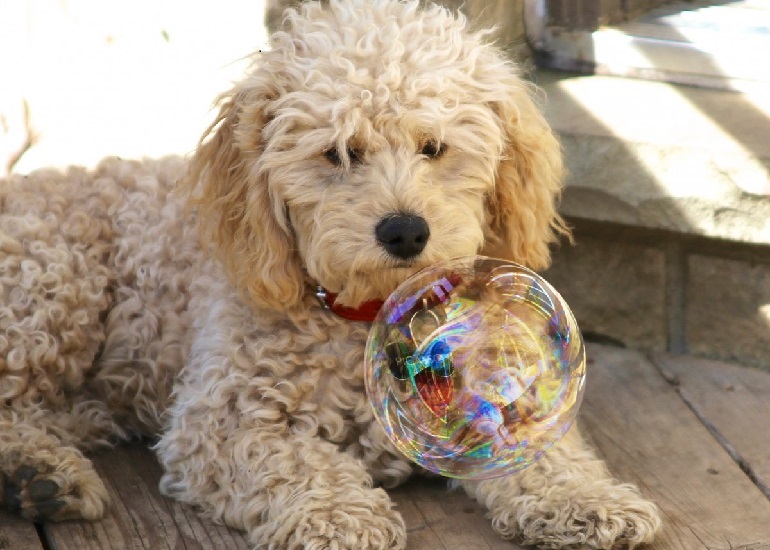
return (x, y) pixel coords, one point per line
(140, 518)
(17, 533)
(649, 436)
(734, 401)
(440, 519)
(639, 423)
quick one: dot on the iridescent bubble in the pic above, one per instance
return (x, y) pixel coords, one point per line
(475, 367)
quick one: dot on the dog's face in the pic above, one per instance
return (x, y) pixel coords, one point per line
(371, 141)
(378, 181)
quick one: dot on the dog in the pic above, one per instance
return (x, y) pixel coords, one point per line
(177, 298)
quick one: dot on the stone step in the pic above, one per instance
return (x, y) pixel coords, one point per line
(669, 194)
(664, 156)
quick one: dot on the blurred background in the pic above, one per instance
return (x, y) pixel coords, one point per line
(83, 79)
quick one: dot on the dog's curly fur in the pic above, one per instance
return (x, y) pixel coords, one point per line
(115, 321)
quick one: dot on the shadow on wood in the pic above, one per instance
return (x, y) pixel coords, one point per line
(663, 425)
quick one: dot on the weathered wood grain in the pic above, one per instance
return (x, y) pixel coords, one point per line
(733, 401)
(638, 421)
(649, 436)
(140, 518)
(17, 533)
(440, 519)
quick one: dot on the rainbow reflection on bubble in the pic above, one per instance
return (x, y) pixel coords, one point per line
(475, 367)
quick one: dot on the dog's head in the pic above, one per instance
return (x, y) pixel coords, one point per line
(372, 140)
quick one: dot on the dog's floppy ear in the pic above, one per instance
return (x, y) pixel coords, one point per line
(239, 220)
(524, 220)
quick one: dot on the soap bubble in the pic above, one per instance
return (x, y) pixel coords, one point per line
(475, 367)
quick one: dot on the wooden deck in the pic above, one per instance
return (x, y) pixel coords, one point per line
(693, 434)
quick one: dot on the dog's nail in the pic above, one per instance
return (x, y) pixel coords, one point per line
(47, 508)
(11, 499)
(42, 489)
(23, 473)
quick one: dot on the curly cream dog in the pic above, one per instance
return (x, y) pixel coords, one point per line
(372, 140)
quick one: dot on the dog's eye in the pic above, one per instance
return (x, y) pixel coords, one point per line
(433, 149)
(333, 156)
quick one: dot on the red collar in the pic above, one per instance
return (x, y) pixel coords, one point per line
(364, 312)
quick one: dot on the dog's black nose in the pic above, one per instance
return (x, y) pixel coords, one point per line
(403, 235)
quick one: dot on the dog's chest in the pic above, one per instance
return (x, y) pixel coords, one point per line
(316, 372)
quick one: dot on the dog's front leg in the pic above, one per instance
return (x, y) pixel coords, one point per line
(288, 491)
(567, 500)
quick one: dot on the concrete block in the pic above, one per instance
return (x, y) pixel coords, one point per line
(616, 290)
(728, 310)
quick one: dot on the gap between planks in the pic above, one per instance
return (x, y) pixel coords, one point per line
(647, 434)
(639, 422)
(732, 402)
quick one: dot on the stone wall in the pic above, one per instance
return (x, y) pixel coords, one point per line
(665, 291)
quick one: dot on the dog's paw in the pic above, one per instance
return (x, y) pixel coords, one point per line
(344, 525)
(39, 490)
(619, 519)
